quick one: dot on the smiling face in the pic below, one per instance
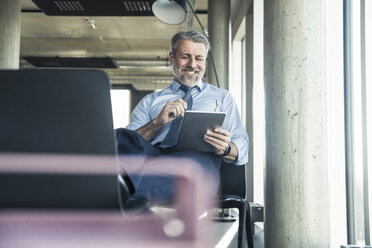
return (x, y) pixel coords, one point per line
(188, 62)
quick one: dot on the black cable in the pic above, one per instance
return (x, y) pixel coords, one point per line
(206, 34)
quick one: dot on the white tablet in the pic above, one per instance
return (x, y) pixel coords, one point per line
(194, 126)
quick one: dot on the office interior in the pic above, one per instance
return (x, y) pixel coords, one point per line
(298, 71)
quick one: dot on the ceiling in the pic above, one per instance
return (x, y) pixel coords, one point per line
(139, 44)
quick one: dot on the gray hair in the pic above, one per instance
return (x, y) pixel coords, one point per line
(194, 36)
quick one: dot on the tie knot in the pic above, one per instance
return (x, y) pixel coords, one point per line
(185, 88)
(187, 91)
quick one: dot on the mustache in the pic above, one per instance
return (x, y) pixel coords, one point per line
(189, 68)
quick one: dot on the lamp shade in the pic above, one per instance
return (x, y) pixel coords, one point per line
(170, 11)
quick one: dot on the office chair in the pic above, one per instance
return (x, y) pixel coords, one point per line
(232, 195)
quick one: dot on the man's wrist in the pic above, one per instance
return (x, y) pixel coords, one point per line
(148, 130)
(157, 123)
(227, 151)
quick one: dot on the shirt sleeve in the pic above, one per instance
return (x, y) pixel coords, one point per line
(234, 125)
(140, 115)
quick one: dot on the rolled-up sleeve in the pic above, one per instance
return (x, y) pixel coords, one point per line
(234, 125)
(140, 115)
(243, 147)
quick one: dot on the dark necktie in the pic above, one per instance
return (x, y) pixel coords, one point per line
(174, 130)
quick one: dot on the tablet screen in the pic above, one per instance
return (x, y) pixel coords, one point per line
(194, 126)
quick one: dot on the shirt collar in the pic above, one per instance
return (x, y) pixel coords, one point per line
(175, 86)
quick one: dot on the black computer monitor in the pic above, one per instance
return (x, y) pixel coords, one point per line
(59, 191)
(56, 111)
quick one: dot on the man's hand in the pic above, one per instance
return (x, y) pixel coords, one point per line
(220, 139)
(170, 111)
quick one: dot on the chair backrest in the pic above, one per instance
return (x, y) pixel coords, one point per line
(232, 179)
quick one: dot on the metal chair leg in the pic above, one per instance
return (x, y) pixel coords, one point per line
(248, 227)
(242, 224)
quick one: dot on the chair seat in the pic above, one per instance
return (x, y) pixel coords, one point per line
(229, 196)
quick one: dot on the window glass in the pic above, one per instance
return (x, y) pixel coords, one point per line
(235, 86)
(368, 82)
(359, 119)
(120, 101)
(258, 95)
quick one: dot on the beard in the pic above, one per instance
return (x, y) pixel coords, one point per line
(186, 79)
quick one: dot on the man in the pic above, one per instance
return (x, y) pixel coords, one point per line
(153, 116)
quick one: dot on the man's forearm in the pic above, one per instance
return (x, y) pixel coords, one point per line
(148, 130)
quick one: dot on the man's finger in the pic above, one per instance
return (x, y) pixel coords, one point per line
(215, 141)
(180, 109)
(175, 108)
(225, 137)
(218, 148)
(221, 131)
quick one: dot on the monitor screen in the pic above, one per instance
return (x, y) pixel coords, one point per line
(58, 191)
(56, 111)
(59, 113)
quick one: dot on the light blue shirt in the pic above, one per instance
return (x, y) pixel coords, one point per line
(206, 97)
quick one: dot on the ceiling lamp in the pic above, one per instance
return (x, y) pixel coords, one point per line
(170, 11)
(95, 7)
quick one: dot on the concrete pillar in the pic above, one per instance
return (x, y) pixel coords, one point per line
(296, 187)
(220, 38)
(10, 33)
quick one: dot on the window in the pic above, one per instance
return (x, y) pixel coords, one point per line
(120, 102)
(358, 111)
(368, 92)
(335, 123)
(259, 149)
(237, 85)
